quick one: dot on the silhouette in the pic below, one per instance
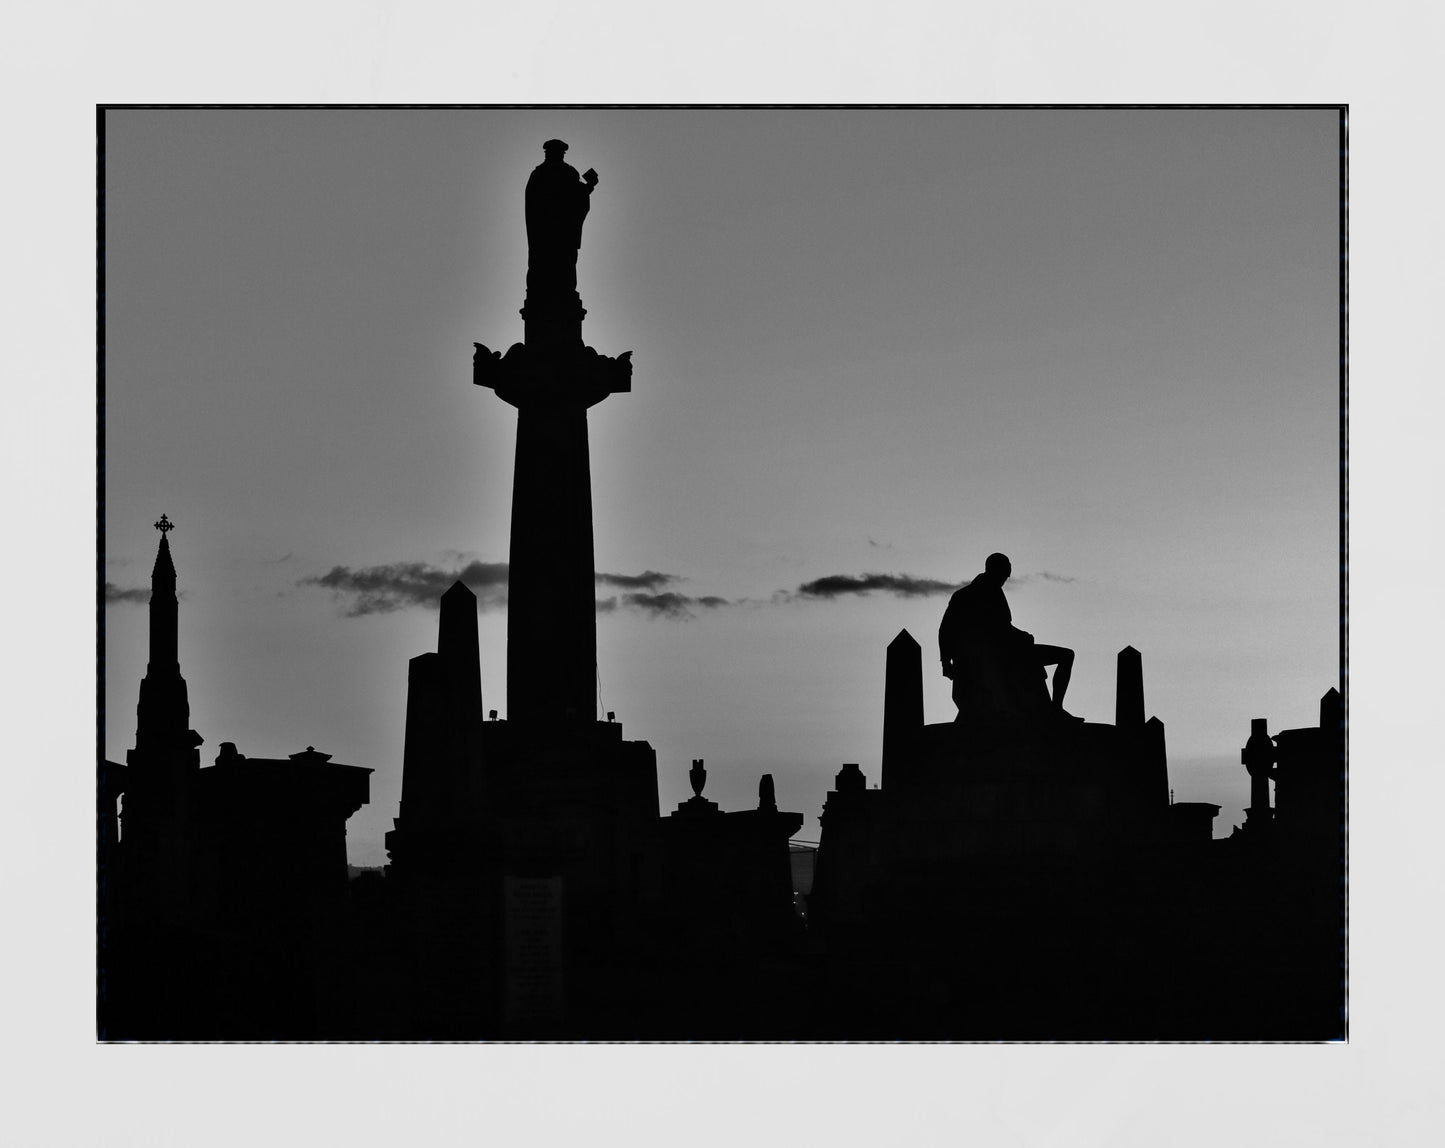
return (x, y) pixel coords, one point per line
(1017, 882)
(1012, 876)
(902, 702)
(552, 379)
(557, 203)
(998, 671)
(579, 894)
(202, 934)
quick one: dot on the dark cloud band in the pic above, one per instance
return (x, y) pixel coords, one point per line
(649, 580)
(385, 589)
(670, 604)
(403, 585)
(832, 586)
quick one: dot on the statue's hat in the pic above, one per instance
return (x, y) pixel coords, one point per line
(554, 145)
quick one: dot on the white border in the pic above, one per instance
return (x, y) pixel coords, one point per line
(1383, 1088)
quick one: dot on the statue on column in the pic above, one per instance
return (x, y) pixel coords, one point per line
(552, 362)
(557, 203)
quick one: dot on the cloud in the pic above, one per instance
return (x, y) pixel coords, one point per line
(646, 595)
(647, 580)
(832, 586)
(403, 585)
(670, 604)
(1042, 575)
(385, 589)
(136, 595)
(667, 604)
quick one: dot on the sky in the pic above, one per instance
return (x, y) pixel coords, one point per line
(870, 348)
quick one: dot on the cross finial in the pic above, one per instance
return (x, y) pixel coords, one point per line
(164, 525)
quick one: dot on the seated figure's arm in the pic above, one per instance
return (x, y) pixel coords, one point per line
(947, 639)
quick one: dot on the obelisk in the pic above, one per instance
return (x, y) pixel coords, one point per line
(552, 378)
(902, 705)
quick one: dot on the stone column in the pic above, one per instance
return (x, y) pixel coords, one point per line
(552, 378)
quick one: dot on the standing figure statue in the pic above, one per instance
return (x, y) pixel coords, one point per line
(998, 671)
(557, 203)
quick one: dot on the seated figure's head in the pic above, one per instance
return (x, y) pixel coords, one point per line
(998, 566)
(554, 149)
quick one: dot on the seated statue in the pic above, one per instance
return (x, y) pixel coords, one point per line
(998, 672)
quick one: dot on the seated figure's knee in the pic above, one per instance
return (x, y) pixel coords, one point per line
(1054, 656)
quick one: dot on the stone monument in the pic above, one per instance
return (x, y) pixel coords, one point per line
(552, 379)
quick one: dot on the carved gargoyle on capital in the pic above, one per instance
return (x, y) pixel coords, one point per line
(585, 376)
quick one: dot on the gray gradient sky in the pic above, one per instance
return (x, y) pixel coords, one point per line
(864, 341)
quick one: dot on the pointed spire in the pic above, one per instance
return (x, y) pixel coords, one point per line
(164, 710)
(163, 605)
(164, 570)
